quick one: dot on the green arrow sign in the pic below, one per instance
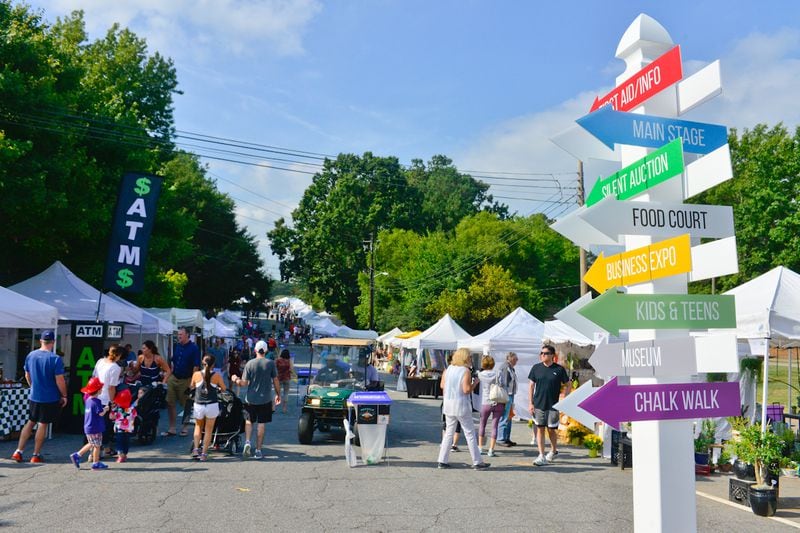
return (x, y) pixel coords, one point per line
(649, 171)
(614, 311)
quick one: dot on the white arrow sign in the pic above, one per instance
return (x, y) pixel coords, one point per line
(581, 144)
(569, 405)
(707, 171)
(570, 316)
(615, 218)
(699, 88)
(714, 259)
(646, 359)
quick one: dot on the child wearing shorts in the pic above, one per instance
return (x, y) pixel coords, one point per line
(93, 425)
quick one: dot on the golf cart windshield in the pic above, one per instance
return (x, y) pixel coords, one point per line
(335, 361)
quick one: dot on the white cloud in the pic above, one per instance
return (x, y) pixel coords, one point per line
(199, 27)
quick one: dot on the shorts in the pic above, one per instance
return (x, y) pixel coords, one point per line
(95, 439)
(258, 414)
(176, 391)
(547, 418)
(46, 413)
(206, 410)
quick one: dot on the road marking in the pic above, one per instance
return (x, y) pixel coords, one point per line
(744, 508)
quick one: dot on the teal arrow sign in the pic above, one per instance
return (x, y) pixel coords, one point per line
(614, 311)
(649, 171)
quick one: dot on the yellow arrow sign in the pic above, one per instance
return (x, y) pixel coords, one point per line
(658, 260)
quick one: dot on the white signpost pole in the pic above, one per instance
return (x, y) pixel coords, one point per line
(663, 460)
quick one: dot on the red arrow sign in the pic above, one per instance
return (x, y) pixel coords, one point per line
(649, 81)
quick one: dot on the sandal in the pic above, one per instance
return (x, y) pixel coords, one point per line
(203, 457)
(168, 433)
(195, 453)
(184, 433)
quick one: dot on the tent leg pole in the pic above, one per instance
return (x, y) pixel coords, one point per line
(765, 381)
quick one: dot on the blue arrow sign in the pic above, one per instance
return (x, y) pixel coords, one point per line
(612, 127)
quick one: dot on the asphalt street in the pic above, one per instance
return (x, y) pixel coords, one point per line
(303, 488)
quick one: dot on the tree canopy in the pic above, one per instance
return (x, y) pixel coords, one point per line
(74, 116)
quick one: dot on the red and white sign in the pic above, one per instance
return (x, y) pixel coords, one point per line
(646, 83)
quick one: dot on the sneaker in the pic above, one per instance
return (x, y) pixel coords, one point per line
(491, 453)
(17, 456)
(443, 466)
(76, 460)
(483, 452)
(540, 461)
(533, 442)
(511, 443)
(37, 459)
(551, 455)
(454, 448)
(481, 466)
(258, 454)
(246, 449)
(99, 466)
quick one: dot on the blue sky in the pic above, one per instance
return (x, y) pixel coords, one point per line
(486, 83)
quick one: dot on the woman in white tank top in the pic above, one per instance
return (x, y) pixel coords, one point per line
(457, 384)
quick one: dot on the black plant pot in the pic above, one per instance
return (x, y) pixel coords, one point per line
(744, 471)
(763, 502)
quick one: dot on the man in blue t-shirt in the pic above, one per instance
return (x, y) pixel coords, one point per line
(185, 362)
(44, 371)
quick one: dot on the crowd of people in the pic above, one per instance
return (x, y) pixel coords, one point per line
(110, 402)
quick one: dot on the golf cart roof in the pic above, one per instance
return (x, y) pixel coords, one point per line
(338, 341)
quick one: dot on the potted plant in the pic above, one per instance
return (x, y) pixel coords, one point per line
(788, 467)
(763, 451)
(724, 461)
(703, 441)
(593, 443)
(575, 433)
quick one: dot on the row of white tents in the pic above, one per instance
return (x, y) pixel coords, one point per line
(322, 324)
(57, 295)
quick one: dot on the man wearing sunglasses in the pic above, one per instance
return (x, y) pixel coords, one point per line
(546, 379)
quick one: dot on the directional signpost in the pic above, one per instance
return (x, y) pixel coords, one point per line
(614, 311)
(656, 310)
(615, 127)
(570, 405)
(649, 171)
(658, 260)
(614, 404)
(646, 83)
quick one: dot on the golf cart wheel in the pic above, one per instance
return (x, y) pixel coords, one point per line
(305, 428)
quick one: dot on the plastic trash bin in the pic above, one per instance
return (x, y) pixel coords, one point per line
(369, 412)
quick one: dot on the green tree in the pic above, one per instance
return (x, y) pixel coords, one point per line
(763, 193)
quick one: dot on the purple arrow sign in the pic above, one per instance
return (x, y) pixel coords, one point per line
(614, 403)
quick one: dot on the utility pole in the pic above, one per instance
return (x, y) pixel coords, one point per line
(584, 286)
(371, 324)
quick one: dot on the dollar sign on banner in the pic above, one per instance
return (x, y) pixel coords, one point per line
(142, 187)
(125, 280)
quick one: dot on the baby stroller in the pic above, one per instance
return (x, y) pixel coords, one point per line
(229, 425)
(152, 398)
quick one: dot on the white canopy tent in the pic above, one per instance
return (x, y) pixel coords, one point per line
(230, 318)
(389, 334)
(74, 298)
(349, 333)
(768, 307)
(324, 327)
(180, 318)
(150, 322)
(443, 335)
(20, 312)
(216, 328)
(519, 332)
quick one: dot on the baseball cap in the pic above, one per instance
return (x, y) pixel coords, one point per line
(261, 346)
(48, 335)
